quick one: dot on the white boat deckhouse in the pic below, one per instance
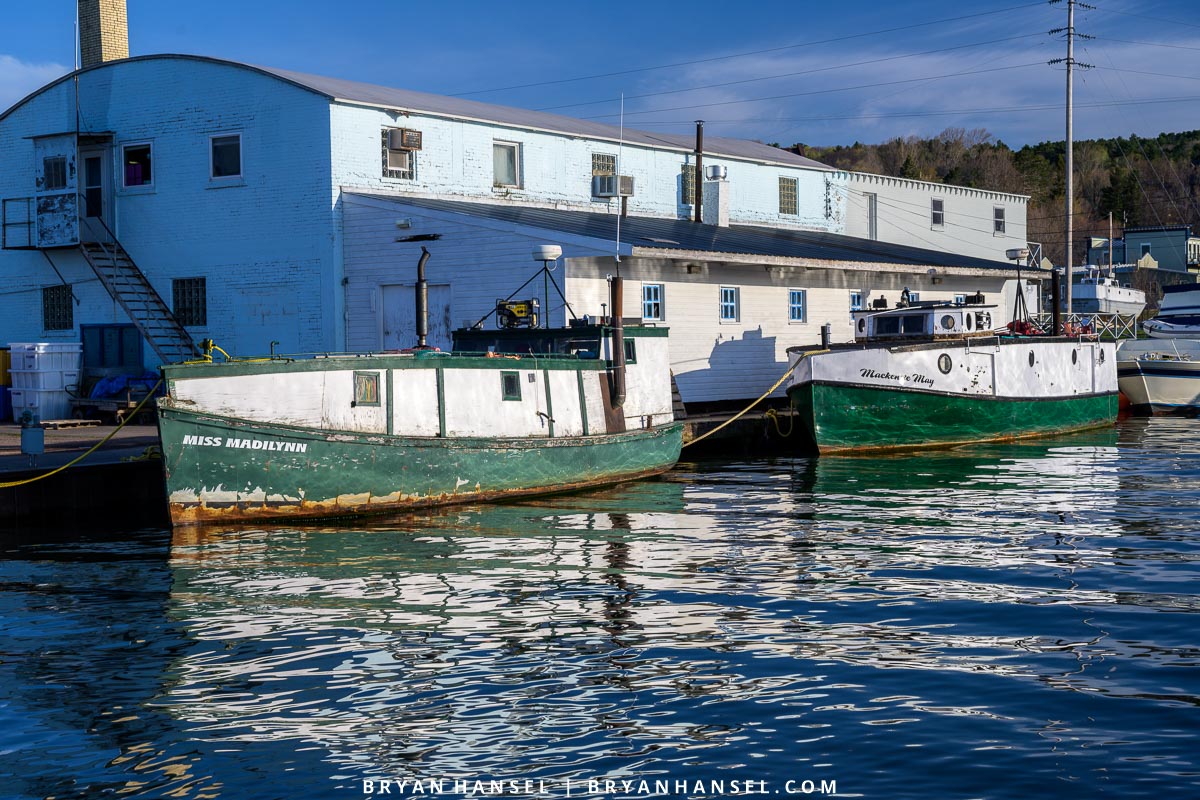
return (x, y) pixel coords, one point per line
(267, 209)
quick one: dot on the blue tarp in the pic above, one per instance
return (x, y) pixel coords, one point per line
(117, 384)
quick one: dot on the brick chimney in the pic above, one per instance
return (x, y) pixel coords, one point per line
(103, 31)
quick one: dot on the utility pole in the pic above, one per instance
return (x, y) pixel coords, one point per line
(1070, 166)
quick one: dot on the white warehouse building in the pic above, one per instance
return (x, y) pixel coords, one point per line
(274, 211)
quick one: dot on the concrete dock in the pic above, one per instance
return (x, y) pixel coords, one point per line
(119, 485)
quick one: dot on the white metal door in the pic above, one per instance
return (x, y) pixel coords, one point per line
(96, 202)
(399, 317)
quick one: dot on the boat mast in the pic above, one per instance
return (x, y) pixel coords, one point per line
(1110, 245)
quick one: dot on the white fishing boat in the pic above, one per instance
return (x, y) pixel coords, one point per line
(1179, 315)
(1160, 376)
(938, 374)
(511, 412)
(1098, 293)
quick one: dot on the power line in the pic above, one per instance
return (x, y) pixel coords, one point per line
(751, 52)
(825, 91)
(1144, 16)
(1147, 44)
(956, 112)
(792, 74)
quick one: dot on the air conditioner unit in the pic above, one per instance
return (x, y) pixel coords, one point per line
(612, 186)
(404, 139)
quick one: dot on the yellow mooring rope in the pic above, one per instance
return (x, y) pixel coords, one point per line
(762, 397)
(98, 445)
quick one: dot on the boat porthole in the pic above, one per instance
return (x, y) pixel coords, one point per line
(969, 319)
(1031, 358)
(944, 364)
(1074, 356)
(862, 325)
(948, 322)
(1101, 356)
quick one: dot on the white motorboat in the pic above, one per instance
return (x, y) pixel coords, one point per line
(1098, 293)
(1160, 377)
(1179, 315)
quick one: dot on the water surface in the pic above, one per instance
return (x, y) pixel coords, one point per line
(1002, 621)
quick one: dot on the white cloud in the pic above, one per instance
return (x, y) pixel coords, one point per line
(18, 79)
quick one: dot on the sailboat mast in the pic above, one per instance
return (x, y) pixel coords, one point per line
(1070, 256)
(1110, 245)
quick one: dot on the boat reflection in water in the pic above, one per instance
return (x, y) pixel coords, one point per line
(578, 634)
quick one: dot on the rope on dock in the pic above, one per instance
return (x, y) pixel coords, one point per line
(761, 397)
(97, 446)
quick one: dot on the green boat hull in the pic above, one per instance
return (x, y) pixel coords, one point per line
(223, 470)
(845, 418)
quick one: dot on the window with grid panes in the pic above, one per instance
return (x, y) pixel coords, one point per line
(787, 196)
(730, 311)
(604, 164)
(652, 302)
(937, 212)
(687, 183)
(57, 313)
(190, 301)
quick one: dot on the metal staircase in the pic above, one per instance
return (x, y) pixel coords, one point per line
(129, 287)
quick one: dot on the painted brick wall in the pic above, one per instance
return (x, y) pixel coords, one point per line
(903, 215)
(480, 262)
(456, 161)
(266, 242)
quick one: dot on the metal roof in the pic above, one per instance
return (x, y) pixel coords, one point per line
(649, 233)
(457, 107)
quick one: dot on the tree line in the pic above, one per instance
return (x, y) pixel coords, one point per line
(1142, 181)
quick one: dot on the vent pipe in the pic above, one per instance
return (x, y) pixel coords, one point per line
(422, 301)
(698, 180)
(618, 342)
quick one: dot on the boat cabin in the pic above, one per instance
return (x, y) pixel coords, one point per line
(924, 320)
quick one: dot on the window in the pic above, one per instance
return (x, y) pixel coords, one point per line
(397, 163)
(960, 299)
(687, 184)
(856, 300)
(630, 351)
(57, 313)
(937, 212)
(227, 156)
(366, 389)
(54, 173)
(998, 219)
(787, 196)
(729, 304)
(136, 161)
(506, 164)
(604, 164)
(1145, 249)
(190, 301)
(913, 297)
(797, 305)
(510, 385)
(652, 301)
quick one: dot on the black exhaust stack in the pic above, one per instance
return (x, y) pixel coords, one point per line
(618, 343)
(422, 302)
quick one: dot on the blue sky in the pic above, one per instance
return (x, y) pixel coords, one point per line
(818, 73)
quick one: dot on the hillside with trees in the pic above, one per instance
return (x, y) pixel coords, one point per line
(1141, 181)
